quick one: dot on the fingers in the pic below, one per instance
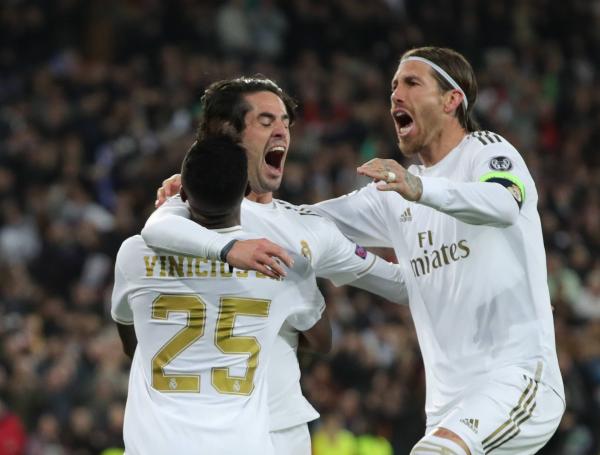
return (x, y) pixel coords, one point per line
(272, 259)
(374, 168)
(277, 252)
(170, 187)
(384, 186)
(261, 255)
(160, 197)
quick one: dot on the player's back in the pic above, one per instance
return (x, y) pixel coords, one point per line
(205, 334)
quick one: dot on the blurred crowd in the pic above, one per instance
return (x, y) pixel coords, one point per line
(99, 100)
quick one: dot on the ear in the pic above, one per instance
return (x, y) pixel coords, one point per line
(182, 193)
(452, 101)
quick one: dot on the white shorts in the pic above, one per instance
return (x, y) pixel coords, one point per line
(512, 415)
(292, 441)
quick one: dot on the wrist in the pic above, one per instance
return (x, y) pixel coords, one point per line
(226, 249)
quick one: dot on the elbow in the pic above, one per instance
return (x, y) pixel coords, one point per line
(147, 234)
(510, 216)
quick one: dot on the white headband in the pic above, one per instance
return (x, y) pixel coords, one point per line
(442, 73)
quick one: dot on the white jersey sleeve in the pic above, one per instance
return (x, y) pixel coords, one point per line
(314, 302)
(120, 309)
(169, 228)
(498, 187)
(205, 340)
(358, 216)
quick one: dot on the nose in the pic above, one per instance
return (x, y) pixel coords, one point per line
(397, 95)
(280, 129)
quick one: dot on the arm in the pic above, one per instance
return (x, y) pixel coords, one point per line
(344, 262)
(493, 197)
(358, 215)
(169, 228)
(383, 279)
(128, 339)
(484, 203)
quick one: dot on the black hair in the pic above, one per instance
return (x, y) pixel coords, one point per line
(224, 108)
(457, 66)
(214, 173)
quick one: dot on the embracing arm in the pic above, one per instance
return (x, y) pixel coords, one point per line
(492, 202)
(358, 215)
(169, 228)
(385, 280)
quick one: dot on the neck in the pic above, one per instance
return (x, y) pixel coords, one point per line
(261, 198)
(211, 221)
(441, 145)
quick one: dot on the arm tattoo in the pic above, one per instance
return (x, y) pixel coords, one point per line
(415, 186)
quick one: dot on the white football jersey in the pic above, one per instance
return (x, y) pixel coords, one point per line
(205, 334)
(477, 284)
(300, 230)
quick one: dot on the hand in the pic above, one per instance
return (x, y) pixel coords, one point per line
(391, 176)
(170, 187)
(261, 255)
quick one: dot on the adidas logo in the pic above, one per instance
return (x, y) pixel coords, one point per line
(406, 216)
(473, 424)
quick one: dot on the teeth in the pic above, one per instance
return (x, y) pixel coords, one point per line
(406, 129)
(277, 149)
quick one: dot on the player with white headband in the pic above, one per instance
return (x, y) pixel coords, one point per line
(465, 228)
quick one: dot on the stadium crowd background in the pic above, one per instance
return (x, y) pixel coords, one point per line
(99, 102)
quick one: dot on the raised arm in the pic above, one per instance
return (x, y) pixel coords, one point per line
(493, 197)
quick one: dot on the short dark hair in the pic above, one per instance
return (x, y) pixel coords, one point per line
(214, 173)
(223, 107)
(457, 66)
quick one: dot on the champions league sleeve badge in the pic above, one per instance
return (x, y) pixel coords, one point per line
(360, 252)
(501, 163)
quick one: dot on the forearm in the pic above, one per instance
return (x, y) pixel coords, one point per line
(180, 235)
(358, 216)
(480, 203)
(385, 280)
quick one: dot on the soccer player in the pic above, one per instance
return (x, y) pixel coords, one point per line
(258, 112)
(204, 332)
(465, 227)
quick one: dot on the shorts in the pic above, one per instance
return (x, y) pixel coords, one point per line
(292, 441)
(512, 415)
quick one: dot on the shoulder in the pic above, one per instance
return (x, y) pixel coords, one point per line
(132, 246)
(497, 150)
(304, 218)
(295, 210)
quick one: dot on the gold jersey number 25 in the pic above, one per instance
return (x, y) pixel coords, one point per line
(195, 309)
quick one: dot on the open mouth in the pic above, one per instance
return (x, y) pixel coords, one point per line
(274, 157)
(404, 121)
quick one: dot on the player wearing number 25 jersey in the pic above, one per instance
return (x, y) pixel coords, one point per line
(205, 334)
